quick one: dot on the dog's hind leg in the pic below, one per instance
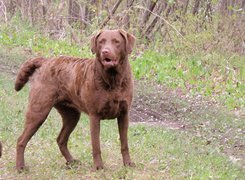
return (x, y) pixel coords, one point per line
(40, 104)
(70, 117)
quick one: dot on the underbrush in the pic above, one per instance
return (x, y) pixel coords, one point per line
(36, 43)
(214, 74)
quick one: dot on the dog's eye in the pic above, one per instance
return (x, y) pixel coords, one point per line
(102, 41)
(116, 41)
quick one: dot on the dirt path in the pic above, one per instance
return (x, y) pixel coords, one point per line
(197, 115)
(4, 68)
(156, 105)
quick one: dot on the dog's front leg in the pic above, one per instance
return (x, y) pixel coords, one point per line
(123, 132)
(95, 141)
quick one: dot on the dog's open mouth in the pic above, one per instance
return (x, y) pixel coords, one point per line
(109, 62)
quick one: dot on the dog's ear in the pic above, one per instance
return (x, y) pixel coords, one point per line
(93, 42)
(130, 40)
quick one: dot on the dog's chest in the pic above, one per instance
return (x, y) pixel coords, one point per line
(111, 106)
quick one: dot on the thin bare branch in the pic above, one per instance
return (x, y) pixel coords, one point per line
(111, 13)
(170, 25)
(4, 11)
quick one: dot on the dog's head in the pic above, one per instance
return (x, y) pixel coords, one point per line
(112, 46)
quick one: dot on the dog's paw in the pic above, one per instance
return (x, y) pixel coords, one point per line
(97, 167)
(23, 169)
(129, 164)
(73, 164)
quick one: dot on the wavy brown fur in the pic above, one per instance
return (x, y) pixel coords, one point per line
(101, 87)
(26, 70)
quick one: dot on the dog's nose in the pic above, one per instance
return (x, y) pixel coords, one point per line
(105, 51)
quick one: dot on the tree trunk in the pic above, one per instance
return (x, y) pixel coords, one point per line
(44, 9)
(12, 8)
(150, 7)
(111, 13)
(151, 26)
(223, 7)
(196, 7)
(73, 11)
(30, 12)
(126, 20)
(186, 7)
(89, 16)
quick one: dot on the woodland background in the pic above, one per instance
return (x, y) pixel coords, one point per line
(166, 21)
(188, 114)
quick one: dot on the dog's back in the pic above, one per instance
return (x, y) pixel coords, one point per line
(59, 67)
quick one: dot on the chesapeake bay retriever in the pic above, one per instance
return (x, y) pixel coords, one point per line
(100, 87)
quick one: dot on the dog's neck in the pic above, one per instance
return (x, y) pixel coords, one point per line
(111, 78)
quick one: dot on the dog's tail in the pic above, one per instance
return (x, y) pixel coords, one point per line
(26, 70)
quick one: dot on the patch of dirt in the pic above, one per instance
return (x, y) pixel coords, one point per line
(202, 117)
(11, 59)
(156, 105)
(148, 116)
(154, 108)
(9, 70)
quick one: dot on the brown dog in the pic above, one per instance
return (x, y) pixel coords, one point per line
(100, 87)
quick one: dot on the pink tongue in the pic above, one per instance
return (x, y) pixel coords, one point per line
(112, 62)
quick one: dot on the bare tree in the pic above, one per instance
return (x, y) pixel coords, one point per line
(77, 18)
(111, 13)
(196, 7)
(126, 20)
(150, 7)
(153, 23)
(3, 11)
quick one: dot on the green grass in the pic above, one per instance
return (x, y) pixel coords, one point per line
(211, 75)
(215, 74)
(158, 152)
